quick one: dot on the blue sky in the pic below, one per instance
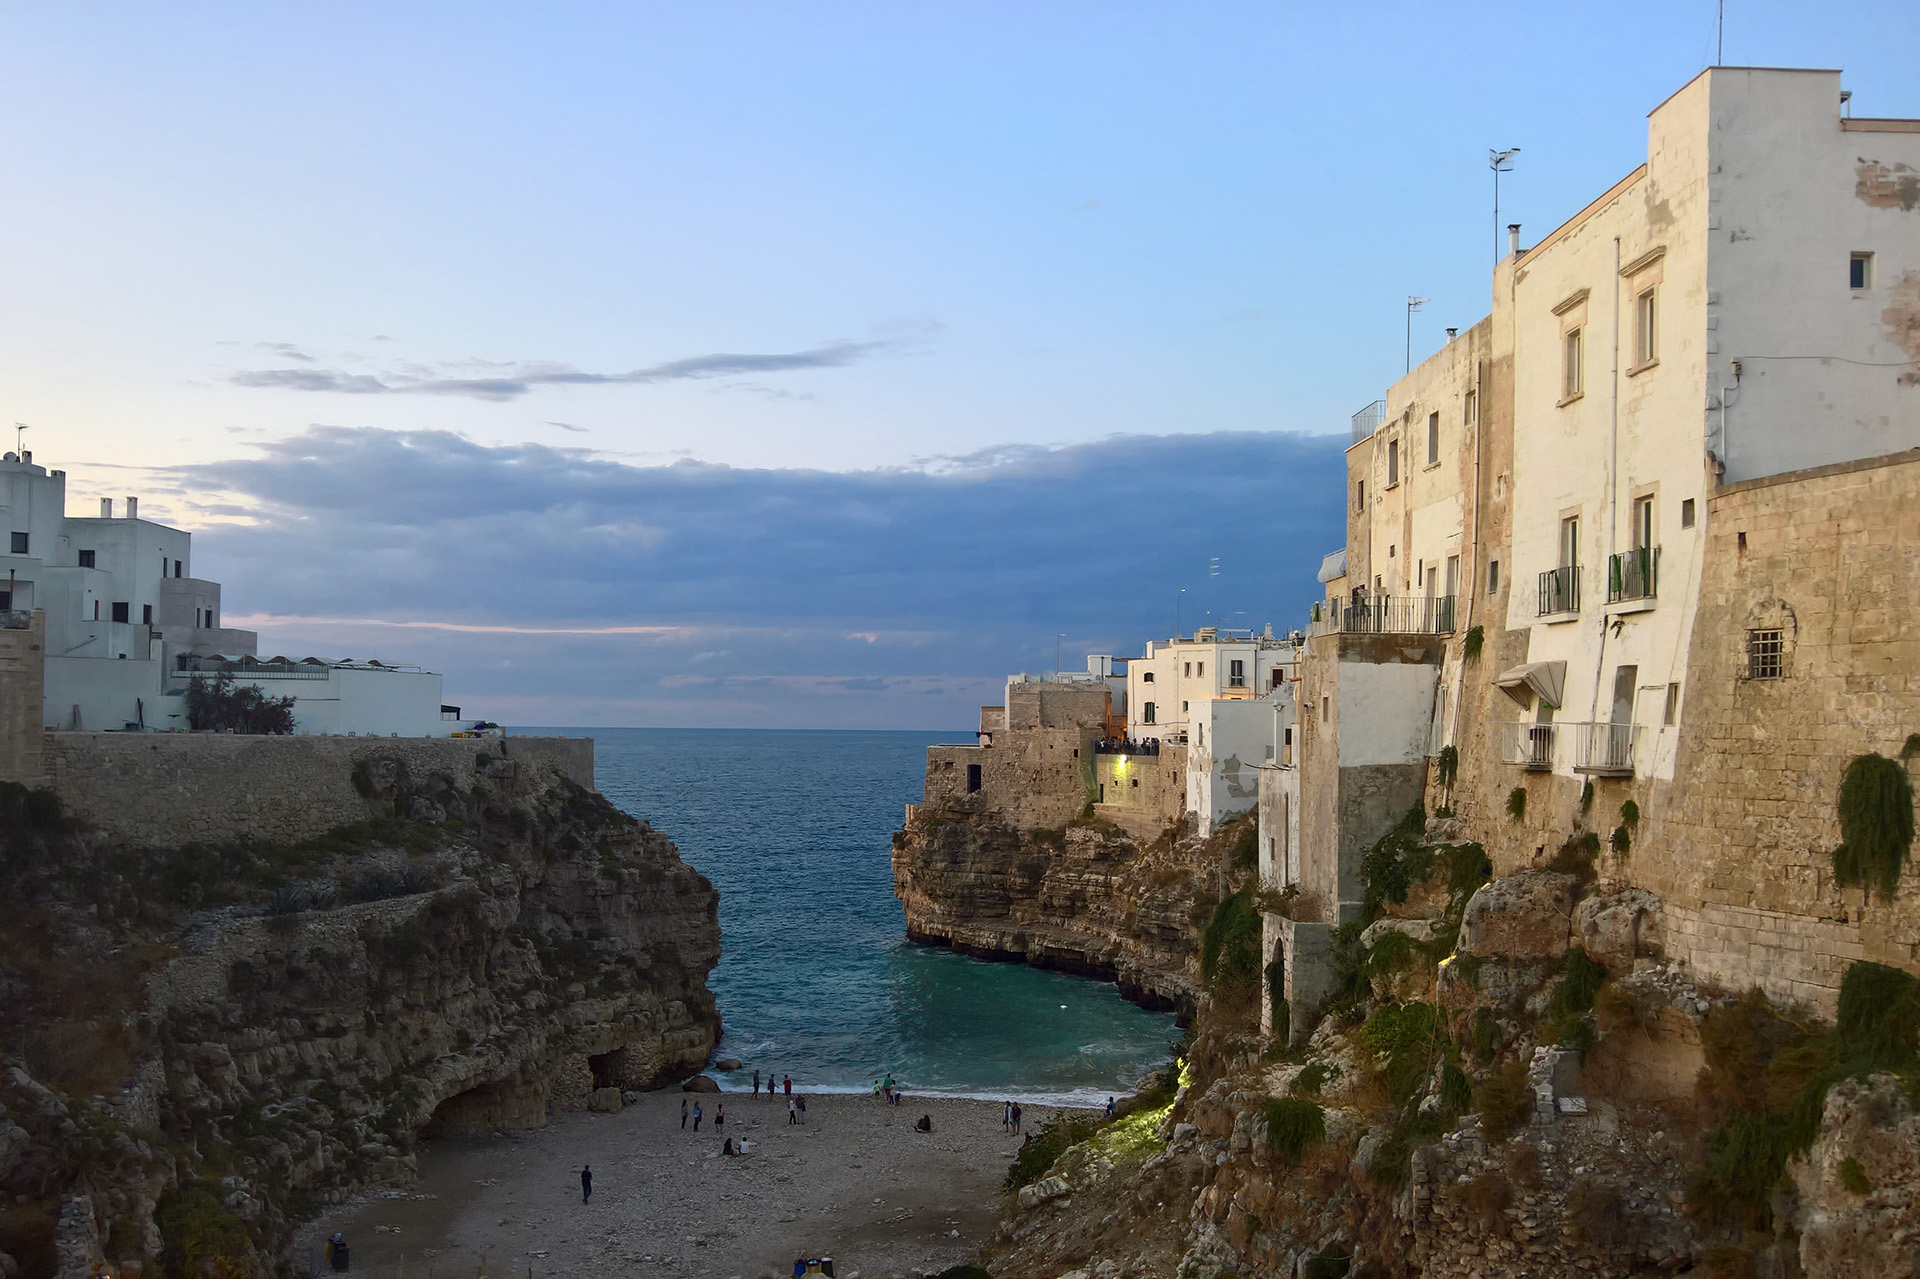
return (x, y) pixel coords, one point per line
(699, 268)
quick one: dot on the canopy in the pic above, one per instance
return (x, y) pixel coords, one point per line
(1334, 565)
(1546, 680)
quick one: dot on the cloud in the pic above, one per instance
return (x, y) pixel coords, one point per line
(568, 426)
(285, 350)
(525, 376)
(549, 576)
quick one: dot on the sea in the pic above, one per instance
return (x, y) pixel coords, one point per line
(817, 979)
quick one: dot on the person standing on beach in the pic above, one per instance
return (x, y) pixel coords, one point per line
(1109, 1107)
(756, 1083)
(683, 1112)
(586, 1182)
(793, 1112)
(1006, 1116)
(1016, 1118)
(696, 1116)
(789, 1083)
(719, 1117)
(802, 1099)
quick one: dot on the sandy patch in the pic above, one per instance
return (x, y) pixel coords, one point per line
(855, 1182)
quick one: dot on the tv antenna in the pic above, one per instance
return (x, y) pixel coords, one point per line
(1500, 162)
(1720, 34)
(19, 436)
(1413, 304)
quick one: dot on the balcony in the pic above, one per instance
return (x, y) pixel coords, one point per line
(1560, 590)
(1603, 750)
(1528, 745)
(1368, 420)
(1383, 615)
(1633, 575)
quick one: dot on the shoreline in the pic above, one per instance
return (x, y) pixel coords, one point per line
(854, 1182)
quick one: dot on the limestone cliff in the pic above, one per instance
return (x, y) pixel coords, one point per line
(205, 1044)
(1084, 898)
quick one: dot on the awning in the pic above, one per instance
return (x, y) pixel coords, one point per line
(1545, 680)
(1335, 565)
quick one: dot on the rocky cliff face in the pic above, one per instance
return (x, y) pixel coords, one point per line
(1086, 898)
(1509, 1080)
(214, 1041)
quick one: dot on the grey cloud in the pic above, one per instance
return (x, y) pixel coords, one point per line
(285, 350)
(568, 426)
(527, 376)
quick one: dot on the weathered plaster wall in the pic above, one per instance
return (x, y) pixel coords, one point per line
(1142, 794)
(1039, 771)
(163, 790)
(22, 660)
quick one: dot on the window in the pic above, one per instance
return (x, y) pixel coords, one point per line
(1360, 495)
(1237, 674)
(1184, 706)
(1672, 715)
(1393, 463)
(1200, 668)
(1146, 713)
(1763, 654)
(176, 568)
(1147, 678)
(146, 615)
(1645, 342)
(1472, 413)
(120, 612)
(1642, 533)
(1200, 731)
(96, 610)
(1570, 541)
(86, 559)
(1570, 384)
(1686, 513)
(1326, 709)
(973, 778)
(1279, 677)
(6, 600)
(1433, 439)
(1493, 577)
(19, 543)
(210, 621)
(1187, 668)
(1860, 271)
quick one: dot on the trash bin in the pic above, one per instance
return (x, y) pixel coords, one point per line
(337, 1252)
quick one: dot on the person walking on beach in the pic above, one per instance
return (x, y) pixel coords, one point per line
(756, 1083)
(586, 1182)
(788, 1079)
(1109, 1107)
(683, 1112)
(696, 1116)
(793, 1112)
(1016, 1118)
(719, 1117)
(1006, 1116)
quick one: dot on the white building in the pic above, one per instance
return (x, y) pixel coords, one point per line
(1175, 675)
(128, 625)
(1228, 740)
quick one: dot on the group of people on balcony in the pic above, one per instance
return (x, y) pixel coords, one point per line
(1127, 746)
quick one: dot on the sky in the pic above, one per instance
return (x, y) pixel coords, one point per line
(782, 365)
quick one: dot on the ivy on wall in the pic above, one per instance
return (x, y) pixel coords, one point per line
(1876, 824)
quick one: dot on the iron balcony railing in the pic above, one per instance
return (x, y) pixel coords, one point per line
(1560, 590)
(1368, 420)
(1384, 615)
(1528, 745)
(1604, 750)
(1633, 575)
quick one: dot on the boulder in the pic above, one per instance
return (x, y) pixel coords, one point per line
(727, 1063)
(606, 1101)
(701, 1083)
(1043, 1191)
(1869, 1136)
(1421, 930)
(1618, 928)
(1523, 916)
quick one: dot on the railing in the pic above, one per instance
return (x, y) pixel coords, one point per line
(1633, 575)
(241, 674)
(1528, 745)
(1113, 746)
(1560, 590)
(1604, 750)
(1384, 615)
(1368, 420)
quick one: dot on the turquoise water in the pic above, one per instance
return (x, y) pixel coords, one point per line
(816, 977)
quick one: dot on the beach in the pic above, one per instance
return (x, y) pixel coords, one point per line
(854, 1182)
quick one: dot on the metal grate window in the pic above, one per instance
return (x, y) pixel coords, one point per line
(1764, 650)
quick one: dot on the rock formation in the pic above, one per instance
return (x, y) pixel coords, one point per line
(214, 1041)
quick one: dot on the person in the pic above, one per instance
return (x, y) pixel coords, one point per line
(788, 1080)
(696, 1116)
(683, 1112)
(925, 1124)
(793, 1112)
(802, 1099)
(1109, 1107)
(337, 1251)
(586, 1182)
(1016, 1118)
(756, 1083)
(876, 1087)
(728, 1148)
(1006, 1117)
(719, 1117)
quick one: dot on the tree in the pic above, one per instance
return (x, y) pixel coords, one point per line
(218, 705)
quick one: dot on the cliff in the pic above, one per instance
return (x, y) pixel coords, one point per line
(1509, 1079)
(206, 1043)
(1084, 898)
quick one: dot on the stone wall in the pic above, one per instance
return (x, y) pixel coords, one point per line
(1142, 794)
(22, 674)
(1039, 770)
(164, 790)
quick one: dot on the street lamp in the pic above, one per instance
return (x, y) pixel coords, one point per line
(1413, 304)
(1176, 613)
(1056, 653)
(1500, 162)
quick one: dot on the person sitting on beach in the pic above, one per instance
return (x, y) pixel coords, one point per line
(925, 1124)
(727, 1149)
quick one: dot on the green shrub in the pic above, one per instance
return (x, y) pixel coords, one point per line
(1294, 1124)
(1517, 803)
(1329, 1264)
(1468, 867)
(1038, 1153)
(1586, 799)
(1879, 1020)
(1876, 824)
(1244, 853)
(1277, 999)
(1446, 767)
(1629, 813)
(1572, 1000)
(1854, 1177)
(1504, 1101)
(220, 706)
(1471, 645)
(199, 1235)
(1484, 1038)
(1403, 1039)
(1230, 945)
(1622, 841)
(1397, 861)
(1311, 1079)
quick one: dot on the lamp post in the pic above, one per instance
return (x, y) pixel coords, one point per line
(1500, 162)
(1056, 653)
(1413, 304)
(1176, 613)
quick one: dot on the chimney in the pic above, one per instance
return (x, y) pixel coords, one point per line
(1513, 238)
(106, 508)
(133, 508)
(1452, 334)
